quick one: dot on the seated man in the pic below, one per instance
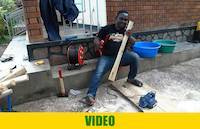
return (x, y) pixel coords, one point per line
(112, 35)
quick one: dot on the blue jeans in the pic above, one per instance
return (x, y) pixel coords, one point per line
(105, 63)
(48, 14)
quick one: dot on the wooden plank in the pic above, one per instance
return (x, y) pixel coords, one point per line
(133, 94)
(163, 102)
(12, 82)
(14, 73)
(6, 93)
(4, 73)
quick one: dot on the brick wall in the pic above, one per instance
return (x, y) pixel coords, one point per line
(33, 21)
(156, 14)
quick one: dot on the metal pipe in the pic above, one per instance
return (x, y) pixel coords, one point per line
(7, 94)
(77, 24)
(83, 10)
(98, 24)
(0, 106)
(64, 24)
(90, 17)
(9, 103)
(71, 25)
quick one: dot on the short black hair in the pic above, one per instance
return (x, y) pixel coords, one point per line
(121, 11)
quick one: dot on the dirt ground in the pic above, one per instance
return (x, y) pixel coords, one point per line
(2, 49)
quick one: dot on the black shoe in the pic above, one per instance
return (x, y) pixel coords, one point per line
(135, 82)
(88, 100)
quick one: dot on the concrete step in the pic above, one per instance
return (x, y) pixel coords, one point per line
(79, 78)
(40, 82)
(44, 79)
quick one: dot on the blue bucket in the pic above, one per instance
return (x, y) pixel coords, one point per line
(146, 49)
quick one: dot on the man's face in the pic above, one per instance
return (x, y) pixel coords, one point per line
(121, 20)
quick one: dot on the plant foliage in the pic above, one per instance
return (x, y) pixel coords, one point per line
(6, 6)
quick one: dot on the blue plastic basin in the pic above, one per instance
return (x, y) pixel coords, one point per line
(146, 49)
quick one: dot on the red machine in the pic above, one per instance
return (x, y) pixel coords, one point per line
(75, 56)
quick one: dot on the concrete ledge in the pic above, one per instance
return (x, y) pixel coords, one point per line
(44, 80)
(77, 79)
(40, 82)
(39, 86)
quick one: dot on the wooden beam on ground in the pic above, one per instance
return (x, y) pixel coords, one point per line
(12, 82)
(15, 73)
(6, 93)
(133, 94)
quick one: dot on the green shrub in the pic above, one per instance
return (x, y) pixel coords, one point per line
(6, 6)
(3, 31)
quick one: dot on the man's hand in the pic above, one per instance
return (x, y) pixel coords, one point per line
(98, 44)
(129, 32)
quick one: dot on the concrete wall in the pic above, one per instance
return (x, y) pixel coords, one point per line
(156, 14)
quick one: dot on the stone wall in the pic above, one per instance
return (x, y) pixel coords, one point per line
(178, 34)
(56, 51)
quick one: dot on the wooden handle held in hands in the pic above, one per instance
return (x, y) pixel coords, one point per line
(115, 67)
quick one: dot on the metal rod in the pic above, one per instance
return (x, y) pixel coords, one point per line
(0, 106)
(9, 103)
(77, 26)
(98, 24)
(71, 25)
(90, 17)
(64, 25)
(83, 10)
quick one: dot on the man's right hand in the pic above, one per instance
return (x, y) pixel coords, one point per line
(98, 45)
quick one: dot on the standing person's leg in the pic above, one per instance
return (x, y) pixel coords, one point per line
(131, 58)
(104, 64)
(48, 14)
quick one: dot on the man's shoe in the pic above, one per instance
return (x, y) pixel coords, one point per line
(135, 82)
(88, 100)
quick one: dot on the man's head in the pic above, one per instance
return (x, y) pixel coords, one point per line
(121, 19)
